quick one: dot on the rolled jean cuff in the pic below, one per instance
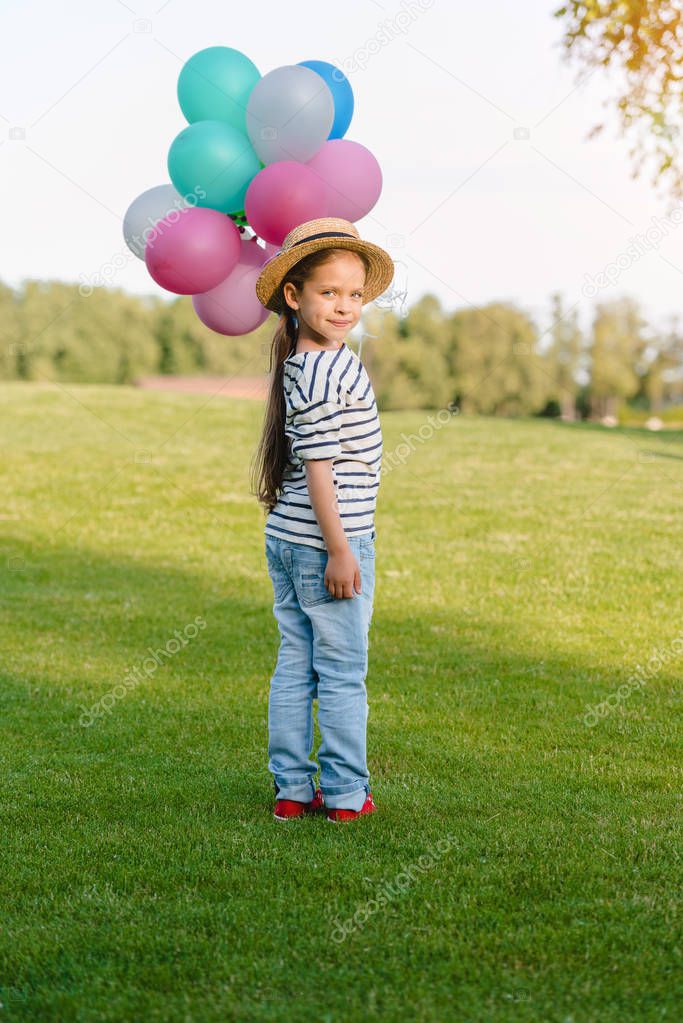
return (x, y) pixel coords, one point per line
(300, 792)
(343, 797)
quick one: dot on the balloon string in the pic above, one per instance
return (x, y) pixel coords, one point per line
(360, 343)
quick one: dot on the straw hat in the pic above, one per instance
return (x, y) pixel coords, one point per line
(323, 233)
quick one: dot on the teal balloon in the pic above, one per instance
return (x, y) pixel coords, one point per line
(212, 164)
(215, 84)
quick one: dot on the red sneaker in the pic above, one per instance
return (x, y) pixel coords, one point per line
(350, 815)
(286, 809)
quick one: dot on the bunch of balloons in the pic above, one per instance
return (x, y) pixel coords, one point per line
(260, 154)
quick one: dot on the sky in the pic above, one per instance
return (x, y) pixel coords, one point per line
(491, 189)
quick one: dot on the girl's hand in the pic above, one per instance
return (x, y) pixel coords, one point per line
(342, 573)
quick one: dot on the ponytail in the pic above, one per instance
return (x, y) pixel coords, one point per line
(272, 453)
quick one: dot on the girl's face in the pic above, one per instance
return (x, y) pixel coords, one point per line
(331, 302)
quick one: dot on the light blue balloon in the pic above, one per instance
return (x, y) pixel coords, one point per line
(215, 84)
(289, 114)
(144, 212)
(214, 163)
(342, 94)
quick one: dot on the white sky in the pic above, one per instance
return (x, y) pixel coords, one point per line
(476, 214)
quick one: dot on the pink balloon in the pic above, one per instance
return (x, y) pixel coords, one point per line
(260, 253)
(253, 254)
(232, 307)
(192, 250)
(352, 175)
(282, 195)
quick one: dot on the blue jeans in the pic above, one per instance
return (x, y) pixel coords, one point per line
(323, 653)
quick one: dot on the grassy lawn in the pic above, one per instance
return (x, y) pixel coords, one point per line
(524, 865)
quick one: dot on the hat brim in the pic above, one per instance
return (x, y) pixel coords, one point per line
(378, 278)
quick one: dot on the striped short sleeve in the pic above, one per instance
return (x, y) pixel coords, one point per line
(330, 413)
(315, 418)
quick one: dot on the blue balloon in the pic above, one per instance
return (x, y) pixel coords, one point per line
(342, 94)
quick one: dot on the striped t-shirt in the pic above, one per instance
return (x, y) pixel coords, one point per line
(331, 412)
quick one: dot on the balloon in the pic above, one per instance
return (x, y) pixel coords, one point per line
(144, 212)
(263, 252)
(352, 176)
(289, 114)
(193, 250)
(253, 254)
(215, 162)
(232, 307)
(342, 94)
(283, 195)
(215, 84)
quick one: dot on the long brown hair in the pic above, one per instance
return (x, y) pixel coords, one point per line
(272, 454)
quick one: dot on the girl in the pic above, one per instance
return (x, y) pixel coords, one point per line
(317, 473)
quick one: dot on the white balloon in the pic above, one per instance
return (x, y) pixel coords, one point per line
(145, 211)
(289, 114)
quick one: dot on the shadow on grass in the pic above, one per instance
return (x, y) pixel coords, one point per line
(441, 697)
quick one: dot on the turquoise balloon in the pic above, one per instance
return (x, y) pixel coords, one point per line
(214, 85)
(211, 164)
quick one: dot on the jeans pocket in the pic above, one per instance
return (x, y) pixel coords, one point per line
(311, 581)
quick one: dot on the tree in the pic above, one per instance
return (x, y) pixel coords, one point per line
(486, 359)
(64, 335)
(165, 341)
(382, 353)
(642, 40)
(563, 357)
(426, 357)
(494, 362)
(407, 358)
(616, 353)
(10, 352)
(663, 379)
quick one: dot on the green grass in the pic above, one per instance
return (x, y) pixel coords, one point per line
(524, 569)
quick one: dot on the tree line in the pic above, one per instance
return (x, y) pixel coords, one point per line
(492, 359)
